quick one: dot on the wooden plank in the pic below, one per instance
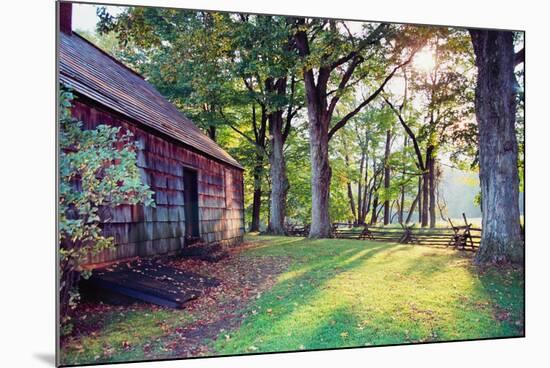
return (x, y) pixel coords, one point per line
(152, 282)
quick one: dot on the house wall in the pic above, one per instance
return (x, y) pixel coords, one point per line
(144, 231)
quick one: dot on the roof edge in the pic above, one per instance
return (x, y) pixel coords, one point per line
(236, 164)
(74, 33)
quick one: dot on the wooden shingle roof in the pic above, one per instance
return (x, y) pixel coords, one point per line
(96, 75)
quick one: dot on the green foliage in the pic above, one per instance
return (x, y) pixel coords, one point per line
(299, 176)
(215, 66)
(97, 170)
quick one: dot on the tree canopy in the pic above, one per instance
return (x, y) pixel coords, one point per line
(333, 120)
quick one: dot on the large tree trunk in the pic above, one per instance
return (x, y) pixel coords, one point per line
(431, 176)
(495, 105)
(280, 185)
(318, 116)
(387, 178)
(318, 149)
(320, 179)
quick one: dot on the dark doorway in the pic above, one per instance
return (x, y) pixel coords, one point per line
(191, 202)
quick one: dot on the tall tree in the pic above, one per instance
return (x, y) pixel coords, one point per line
(213, 66)
(439, 83)
(332, 56)
(495, 106)
(265, 61)
(259, 154)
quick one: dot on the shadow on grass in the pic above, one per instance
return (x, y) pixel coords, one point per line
(438, 298)
(432, 261)
(287, 305)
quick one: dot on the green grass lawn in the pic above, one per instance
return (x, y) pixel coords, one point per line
(334, 293)
(342, 293)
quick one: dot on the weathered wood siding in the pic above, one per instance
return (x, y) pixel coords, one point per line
(143, 231)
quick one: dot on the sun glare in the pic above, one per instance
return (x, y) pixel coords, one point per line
(424, 60)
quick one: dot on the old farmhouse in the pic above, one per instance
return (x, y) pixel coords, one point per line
(198, 186)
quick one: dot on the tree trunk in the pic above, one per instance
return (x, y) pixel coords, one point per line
(431, 175)
(374, 215)
(401, 205)
(279, 185)
(258, 168)
(212, 132)
(420, 201)
(426, 204)
(351, 202)
(495, 105)
(425, 198)
(257, 197)
(320, 179)
(365, 202)
(413, 207)
(318, 149)
(402, 189)
(350, 194)
(387, 178)
(360, 185)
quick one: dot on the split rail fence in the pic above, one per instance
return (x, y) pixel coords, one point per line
(464, 237)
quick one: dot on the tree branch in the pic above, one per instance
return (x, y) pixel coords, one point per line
(371, 39)
(289, 113)
(244, 135)
(351, 114)
(251, 89)
(409, 132)
(254, 125)
(345, 79)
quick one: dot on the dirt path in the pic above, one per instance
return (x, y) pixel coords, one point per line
(221, 309)
(183, 333)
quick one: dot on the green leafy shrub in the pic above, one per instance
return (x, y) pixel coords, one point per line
(97, 170)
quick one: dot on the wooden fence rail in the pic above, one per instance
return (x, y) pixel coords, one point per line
(463, 237)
